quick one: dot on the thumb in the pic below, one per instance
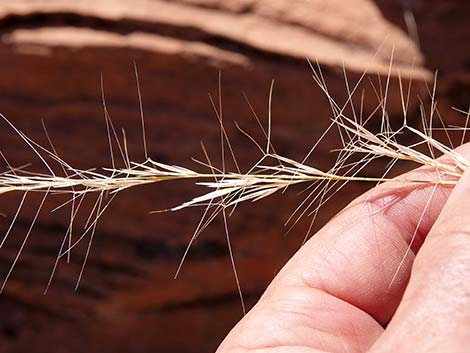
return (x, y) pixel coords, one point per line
(434, 314)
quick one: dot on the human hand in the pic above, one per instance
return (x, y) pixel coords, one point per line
(359, 285)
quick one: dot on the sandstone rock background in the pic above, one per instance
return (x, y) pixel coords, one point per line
(51, 56)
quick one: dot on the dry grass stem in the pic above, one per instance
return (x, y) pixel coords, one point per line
(227, 189)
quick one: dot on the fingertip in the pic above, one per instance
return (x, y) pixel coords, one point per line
(435, 304)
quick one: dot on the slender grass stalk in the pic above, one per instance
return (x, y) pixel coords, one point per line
(227, 189)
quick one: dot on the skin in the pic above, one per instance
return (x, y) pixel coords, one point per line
(358, 285)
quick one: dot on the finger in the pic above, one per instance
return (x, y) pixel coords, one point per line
(343, 284)
(434, 315)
